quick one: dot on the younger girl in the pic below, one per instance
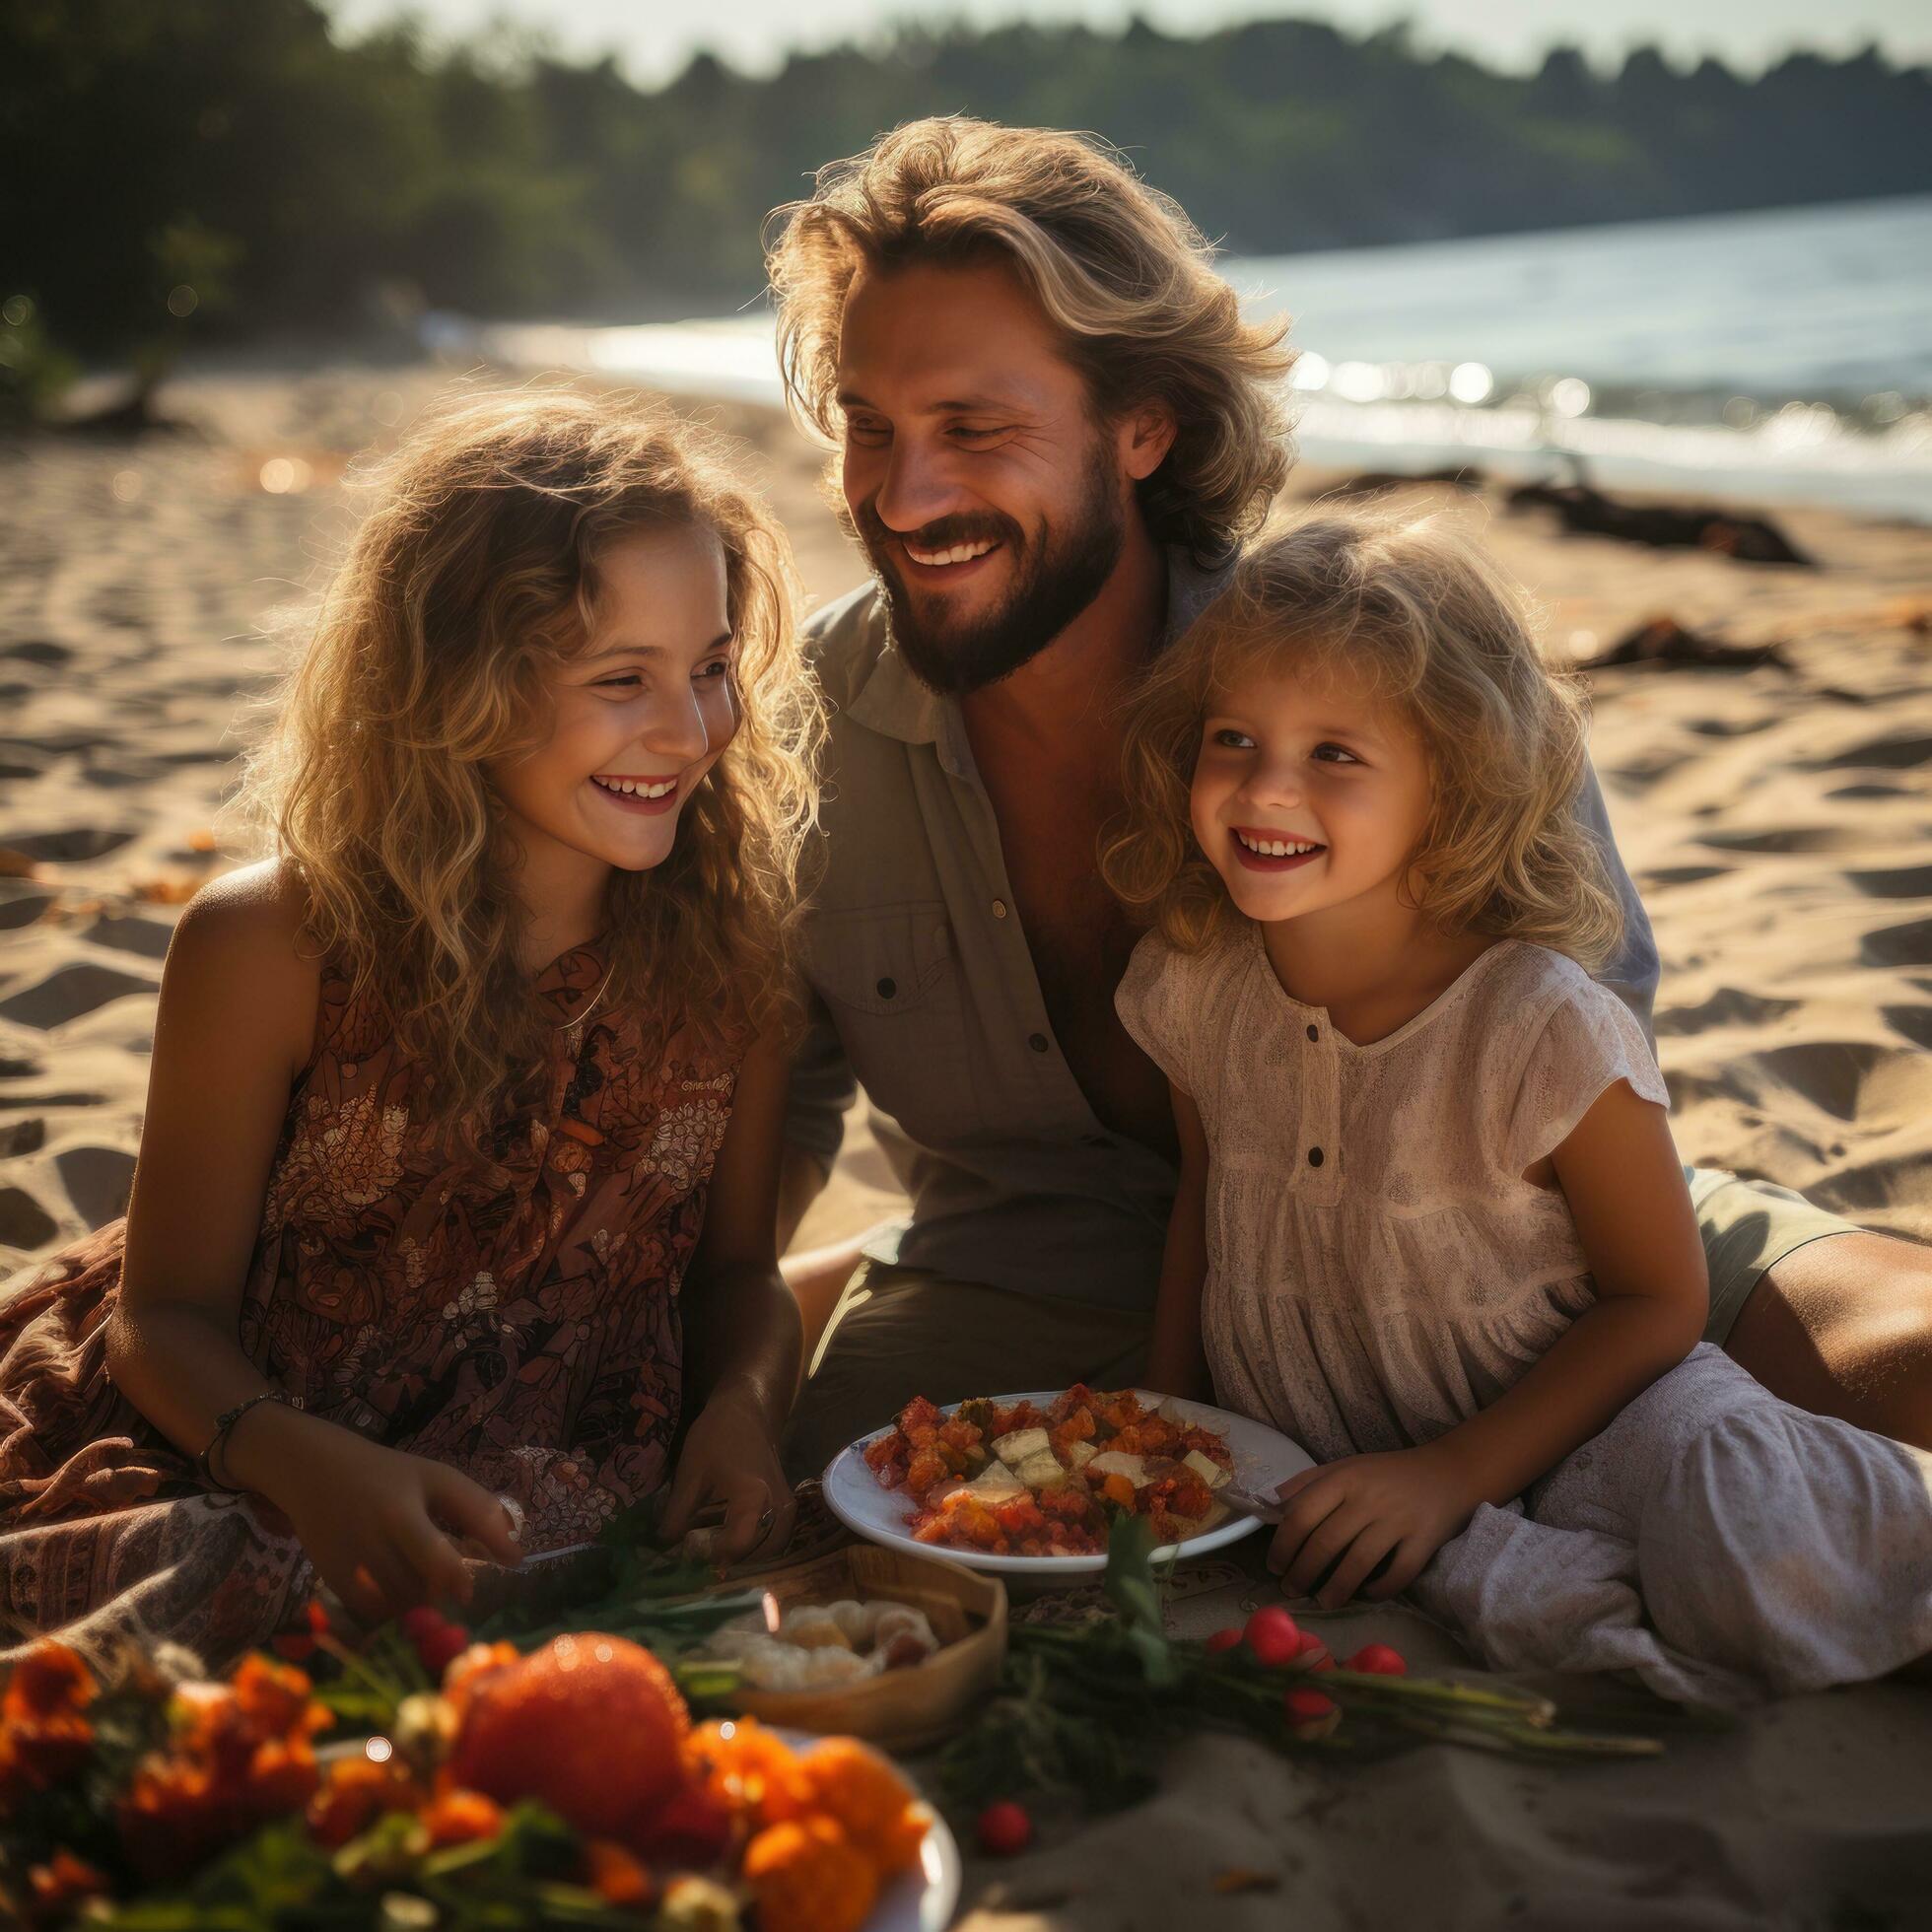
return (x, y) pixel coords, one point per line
(1431, 1222)
(443, 1093)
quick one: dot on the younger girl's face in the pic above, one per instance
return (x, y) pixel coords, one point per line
(1308, 794)
(641, 711)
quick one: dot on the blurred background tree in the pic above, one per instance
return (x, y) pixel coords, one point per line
(218, 168)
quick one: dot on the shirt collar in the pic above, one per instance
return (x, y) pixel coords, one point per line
(894, 702)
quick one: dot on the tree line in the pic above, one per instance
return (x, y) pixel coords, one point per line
(226, 166)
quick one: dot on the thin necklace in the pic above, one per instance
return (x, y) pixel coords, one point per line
(577, 1019)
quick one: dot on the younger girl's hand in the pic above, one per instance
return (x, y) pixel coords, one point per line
(729, 1458)
(1343, 1518)
(383, 1526)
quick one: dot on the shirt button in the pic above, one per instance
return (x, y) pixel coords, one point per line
(1037, 1041)
(1314, 1156)
(887, 988)
(999, 909)
(1314, 1032)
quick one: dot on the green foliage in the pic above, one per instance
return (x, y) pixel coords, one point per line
(236, 150)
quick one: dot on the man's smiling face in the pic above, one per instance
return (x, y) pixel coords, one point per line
(993, 505)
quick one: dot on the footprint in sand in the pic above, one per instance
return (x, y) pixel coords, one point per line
(98, 1181)
(1909, 944)
(1729, 1005)
(1900, 882)
(69, 992)
(1914, 1023)
(1899, 751)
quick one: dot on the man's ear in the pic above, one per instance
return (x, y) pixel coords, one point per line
(1145, 436)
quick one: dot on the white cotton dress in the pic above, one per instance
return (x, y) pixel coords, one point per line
(1379, 1270)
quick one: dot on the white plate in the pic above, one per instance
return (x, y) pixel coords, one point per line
(1263, 1459)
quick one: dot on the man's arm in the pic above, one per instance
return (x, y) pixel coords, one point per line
(822, 1088)
(1632, 974)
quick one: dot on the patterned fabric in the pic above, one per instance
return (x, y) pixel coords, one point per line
(501, 1294)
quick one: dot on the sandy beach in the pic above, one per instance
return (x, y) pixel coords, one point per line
(1775, 817)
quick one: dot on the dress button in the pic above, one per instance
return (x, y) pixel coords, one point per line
(1314, 1156)
(999, 909)
(1037, 1041)
(887, 988)
(1314, 1032)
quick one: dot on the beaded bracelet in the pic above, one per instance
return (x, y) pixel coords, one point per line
(204, 1463)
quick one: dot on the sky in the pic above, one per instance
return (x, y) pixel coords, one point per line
(656, 38)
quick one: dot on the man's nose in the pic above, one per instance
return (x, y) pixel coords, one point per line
(917, 488)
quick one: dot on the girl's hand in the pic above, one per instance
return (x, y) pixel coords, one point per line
(383, 1526)
(1345, 1518)
(729, 1458)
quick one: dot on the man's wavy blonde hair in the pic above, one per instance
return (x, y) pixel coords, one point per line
(469, 582)
(1417, 608)
(1118, 267)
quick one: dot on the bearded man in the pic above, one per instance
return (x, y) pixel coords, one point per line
(1053, 429)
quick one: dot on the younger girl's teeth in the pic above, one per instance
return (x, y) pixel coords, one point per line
(1276, 848)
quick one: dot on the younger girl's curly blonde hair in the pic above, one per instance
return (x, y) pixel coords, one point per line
(1420, 611)
(471, 580)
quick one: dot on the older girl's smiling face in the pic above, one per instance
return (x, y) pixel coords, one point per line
(1310, 793)
(641, 711)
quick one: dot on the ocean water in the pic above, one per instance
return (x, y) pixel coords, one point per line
(1784, 356)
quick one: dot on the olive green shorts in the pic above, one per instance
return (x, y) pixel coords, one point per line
(1748, 1227)
(901, 1331)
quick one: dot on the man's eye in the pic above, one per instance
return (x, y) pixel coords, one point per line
(970, 435)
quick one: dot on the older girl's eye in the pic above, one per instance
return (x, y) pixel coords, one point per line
(716, 671)
(623, 681)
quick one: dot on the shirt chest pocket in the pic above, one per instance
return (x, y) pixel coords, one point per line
(883, 961)
(890, 979)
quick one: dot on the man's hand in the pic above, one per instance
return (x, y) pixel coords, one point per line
(1345, 1518)
(729, 1458)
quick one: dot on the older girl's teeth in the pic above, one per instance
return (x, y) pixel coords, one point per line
(959, 553)
(629, 787)
(1276, 848)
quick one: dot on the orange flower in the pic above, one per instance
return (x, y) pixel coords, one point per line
(43, 1738)
(49, 1681)
(459, 1817)
(748, 1770)
(867, 1798)
(63, 1884)
(355, 1792)
(615, 1876)
(807, 1876)
(593, 1725)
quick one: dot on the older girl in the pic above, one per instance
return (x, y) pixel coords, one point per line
(453, 1095)
(1431, 1221)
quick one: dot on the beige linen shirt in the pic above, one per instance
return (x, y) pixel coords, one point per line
(924, 991)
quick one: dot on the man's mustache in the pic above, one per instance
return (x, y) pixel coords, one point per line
(940, 534)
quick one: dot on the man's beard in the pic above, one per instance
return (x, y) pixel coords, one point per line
(1057, 577)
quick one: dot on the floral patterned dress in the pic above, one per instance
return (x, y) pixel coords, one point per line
(501, 1294)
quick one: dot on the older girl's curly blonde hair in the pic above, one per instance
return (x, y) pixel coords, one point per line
(1119, 268)
(1417, 609)
(469, 580)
